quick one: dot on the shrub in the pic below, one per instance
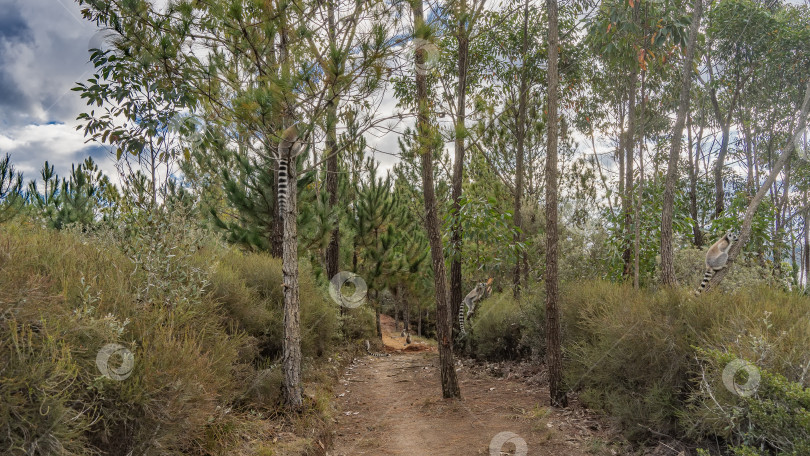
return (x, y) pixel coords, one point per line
(190, 311)
(631, 352)
(764, 413)
(497, 327)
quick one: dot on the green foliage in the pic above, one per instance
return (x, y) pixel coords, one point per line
(249, 287)
(775, 419)
(11, 185)
(174, 297)
(631, 353)
(497, 328)
(85, 199)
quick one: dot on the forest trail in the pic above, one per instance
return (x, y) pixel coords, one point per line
(393, 406)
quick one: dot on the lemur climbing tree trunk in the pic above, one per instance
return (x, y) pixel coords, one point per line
(667, 261)
(291, 346)
(745, 231)
(450, 387)
(521, 146)
(553, 340)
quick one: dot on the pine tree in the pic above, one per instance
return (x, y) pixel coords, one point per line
(11, 183)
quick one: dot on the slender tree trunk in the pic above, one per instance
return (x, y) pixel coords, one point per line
(553, 338)
(292, 320)
(333, 249)
(640, 193)
(693, 173)
(521, 146)
(419, 324)
(745, 231)
(450, 387)
(629, 144)
(806, 257)
(667, 259)
(456, 293)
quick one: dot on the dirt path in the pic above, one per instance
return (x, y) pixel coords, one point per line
(393, 406)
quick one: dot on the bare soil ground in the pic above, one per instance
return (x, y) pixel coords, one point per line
(393, 406)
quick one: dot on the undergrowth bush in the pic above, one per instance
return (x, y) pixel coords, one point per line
(634, 353)
(202, 323)
(496, 329)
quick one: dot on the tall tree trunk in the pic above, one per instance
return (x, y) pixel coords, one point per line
(640, 193)
(553, 340)
(521, 145)
(806, 257)
(292, 320)
(333, 249)
(745, 231)
(629, 143)
(291, 346)
(450, 387)
(694, 164)
(667, 260)
(456, 293)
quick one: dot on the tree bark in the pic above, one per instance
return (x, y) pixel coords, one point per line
(745, 231)
(629, 142)
(456, 293)
(694, 163)
(553, 338)
(667, 260)
(521, 145)
(333, 249)
(293, 390)
(450, 387)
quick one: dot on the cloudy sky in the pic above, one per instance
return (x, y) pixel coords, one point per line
(43, 53)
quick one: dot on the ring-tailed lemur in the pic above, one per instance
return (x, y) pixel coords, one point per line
(368, 350)
(471, 300)
(288, 148)
(716, 258)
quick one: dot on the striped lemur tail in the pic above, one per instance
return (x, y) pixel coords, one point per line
(707, 277)
(288, 148)
(368, 350)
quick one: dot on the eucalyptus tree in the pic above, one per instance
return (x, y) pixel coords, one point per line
(781, 121)
(463, 18)
(736, 44)
(667, 266)
(553, 338)
(509, 124)
(628, 37)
